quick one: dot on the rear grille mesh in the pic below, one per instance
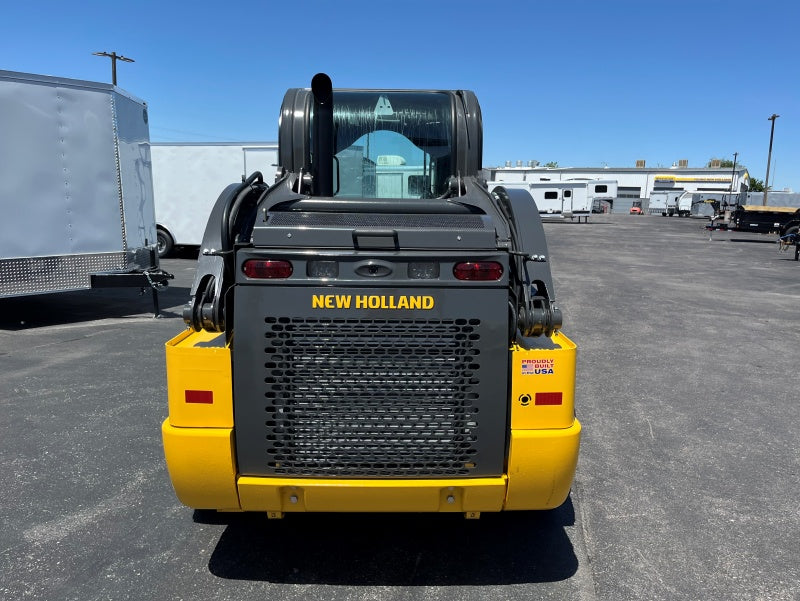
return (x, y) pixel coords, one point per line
(371, 398)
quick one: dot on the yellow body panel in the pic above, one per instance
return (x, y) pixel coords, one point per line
(542, 372)
(201, 466)
(203, 472)
(299, 494)
(199, 361)
(541, 466)
(199, 446)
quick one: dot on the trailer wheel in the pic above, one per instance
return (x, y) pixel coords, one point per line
(165, 243)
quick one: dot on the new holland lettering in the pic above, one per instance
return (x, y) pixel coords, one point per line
(372, 301)
(331, 301)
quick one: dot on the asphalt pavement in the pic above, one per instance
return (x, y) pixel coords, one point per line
(686, 488)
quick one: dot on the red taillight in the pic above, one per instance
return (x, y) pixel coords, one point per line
(203, 397)
(267, 270)
(482, 271)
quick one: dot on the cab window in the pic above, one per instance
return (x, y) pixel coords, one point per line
(392, 144)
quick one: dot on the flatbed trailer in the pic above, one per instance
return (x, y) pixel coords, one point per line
(762, 219)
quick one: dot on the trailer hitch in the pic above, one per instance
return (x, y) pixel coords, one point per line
(153, 278)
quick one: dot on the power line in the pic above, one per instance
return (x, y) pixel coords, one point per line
(189, 133)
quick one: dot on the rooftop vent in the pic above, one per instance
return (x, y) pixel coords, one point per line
(715, 164)
(640, 163)
(683, 163)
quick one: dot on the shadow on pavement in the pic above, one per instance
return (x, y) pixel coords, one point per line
(754, 240)
(23, 312)
(185, 252)
(396, 549)
(592, 221)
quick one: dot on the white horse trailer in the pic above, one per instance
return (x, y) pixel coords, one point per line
(601, 193)
(566, 199)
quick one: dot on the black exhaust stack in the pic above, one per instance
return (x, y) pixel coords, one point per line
(322, 150)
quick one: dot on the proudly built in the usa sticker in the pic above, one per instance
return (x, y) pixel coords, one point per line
(531, 367)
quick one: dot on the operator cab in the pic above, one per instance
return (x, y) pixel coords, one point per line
(379, 144)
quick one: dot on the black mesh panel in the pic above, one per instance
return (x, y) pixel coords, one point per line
(371, 397)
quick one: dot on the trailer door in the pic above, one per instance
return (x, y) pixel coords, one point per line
(566, 201)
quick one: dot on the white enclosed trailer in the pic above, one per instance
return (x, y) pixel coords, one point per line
(75, 187)
(188, 177)
(664, 202)
(683, 204)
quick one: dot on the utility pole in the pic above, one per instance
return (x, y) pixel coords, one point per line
(114, 58)
(733, 174)
(769, 156)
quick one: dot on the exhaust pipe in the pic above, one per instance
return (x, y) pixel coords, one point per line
(322, 149)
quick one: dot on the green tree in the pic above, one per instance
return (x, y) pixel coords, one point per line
(551, 164)
(756, 185)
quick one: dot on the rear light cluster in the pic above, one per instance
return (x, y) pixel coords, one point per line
(267, 270)
(478, 271)
(473, 271)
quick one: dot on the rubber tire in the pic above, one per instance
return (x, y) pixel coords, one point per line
(165, 243)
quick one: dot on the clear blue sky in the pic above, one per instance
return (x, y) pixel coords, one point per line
(583, 83)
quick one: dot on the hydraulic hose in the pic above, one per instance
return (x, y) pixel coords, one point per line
(236, 201)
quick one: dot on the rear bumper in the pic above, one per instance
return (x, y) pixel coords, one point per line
(202, 466)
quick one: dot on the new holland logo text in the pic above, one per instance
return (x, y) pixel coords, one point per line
(538, 366)
(368, 301)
